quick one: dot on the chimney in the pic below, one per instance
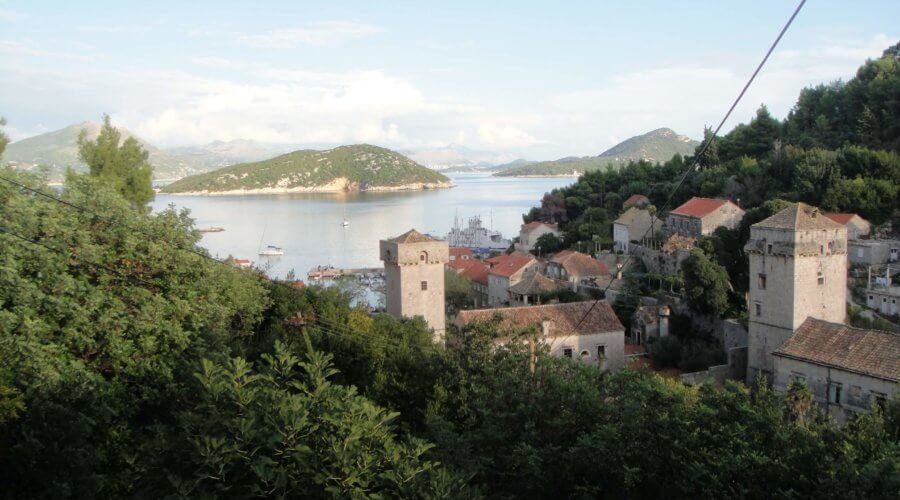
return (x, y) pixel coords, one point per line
(545, 327)
(663, 320)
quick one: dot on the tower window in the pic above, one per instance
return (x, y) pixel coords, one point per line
(821, 249)
(762, 282)
(837, 394)
(423, 257)
(424, 285)
(769, 247)
(601, 351)
(758, 309)
(821, 278)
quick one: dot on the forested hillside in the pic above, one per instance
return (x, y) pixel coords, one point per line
(354, 167)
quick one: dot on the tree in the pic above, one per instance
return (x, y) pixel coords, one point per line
(123, 165)
(457, 289)
(546, 244)
(4, 139)
(706, 284)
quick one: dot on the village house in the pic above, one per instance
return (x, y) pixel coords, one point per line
(599, 339)
(857, 227)
(884, 299)
(414, 278)
(649, 322)
(530, 233)
(476, 271)
(506, 271)
(636, 200)
(461, 253)
(847, 369)
(575, 268)
(873, 252)
(702, 216)
(634, 225)
(531, 288)
(667, 258)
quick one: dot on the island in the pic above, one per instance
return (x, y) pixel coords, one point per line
(360, 167)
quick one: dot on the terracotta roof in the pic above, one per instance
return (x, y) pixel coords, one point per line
(563, 317)
(873, 353)
(412, 236)
(535, 284)
(699, 207)
(460, 251)
(531, 226)
(798, 216)
(579, 264)
(473, 269)
(842, 218)
(636, 199)
(507, 265)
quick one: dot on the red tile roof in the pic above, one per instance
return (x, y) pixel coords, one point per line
(842, 218)
(873, 353)
(507, 265)
(412, 236)
(699, 207)
(461, 251)
(473, 269)
(563, 318)
(579, 264)
(635, 199)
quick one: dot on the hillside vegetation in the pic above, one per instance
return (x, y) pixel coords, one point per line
(655, 146)
(58, 150)
(344, 168)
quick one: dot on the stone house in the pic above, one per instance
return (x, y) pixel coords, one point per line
(847, 369)
(575, 268)
(505, 271)
(531, 288)
(635, 200)
(599, 339)
(649, 321)
(884, 300)
(530, 233)
(414, 278)
(857, 227)
(702, 216)
(873, 252)
(798, 269)
(667, 258)
(461, 253)
(634, 225)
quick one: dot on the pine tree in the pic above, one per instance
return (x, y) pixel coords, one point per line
(124, 165)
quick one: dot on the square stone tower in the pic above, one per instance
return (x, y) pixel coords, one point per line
(798, 269)
(414, 278)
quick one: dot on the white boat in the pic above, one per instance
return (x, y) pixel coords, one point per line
(271, 250)
(476, 236)
(346, 223)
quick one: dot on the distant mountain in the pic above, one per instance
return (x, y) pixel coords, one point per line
(345, 168)
(455, 155)
(521, 162)
(58, 150)
(220, 154)
(656, 146)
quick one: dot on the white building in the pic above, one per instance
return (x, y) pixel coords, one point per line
(506, 271)
(414, 278)
(599, 339)
(702, 216)
(530, 233)
(634, 225)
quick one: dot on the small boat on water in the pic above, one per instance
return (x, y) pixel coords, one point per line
(211, 229)
(271, 250)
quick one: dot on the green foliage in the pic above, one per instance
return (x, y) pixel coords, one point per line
(284, 429)
(666, 351)
(361, 164)
(4, 139)
(706, 284)
(547, 244)
(457, 290)
(122, 165)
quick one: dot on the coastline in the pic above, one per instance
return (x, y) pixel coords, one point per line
(337, 186)
(539, 176)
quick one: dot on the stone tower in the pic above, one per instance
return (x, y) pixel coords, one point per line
(414, 278)
(798, 269)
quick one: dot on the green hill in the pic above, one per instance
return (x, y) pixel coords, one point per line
(656, 146)
(58, 150)
(345, 168)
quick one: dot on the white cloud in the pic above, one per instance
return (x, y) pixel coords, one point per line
(216, 62)
(318, 34)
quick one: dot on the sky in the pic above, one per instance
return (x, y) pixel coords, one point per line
(541, 80)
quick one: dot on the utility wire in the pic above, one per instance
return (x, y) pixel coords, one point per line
(706, 145)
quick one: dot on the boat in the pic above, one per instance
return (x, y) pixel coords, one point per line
(271, 250)
(346, 223)
(211, 229)
(476, 236)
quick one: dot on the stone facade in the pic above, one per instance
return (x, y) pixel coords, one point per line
(873, 252)
(702, 216)
(885, 300)
(414, 278)
(530, 233)
(634, 225)
(798, 269)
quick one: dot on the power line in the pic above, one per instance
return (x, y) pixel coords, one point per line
(705, 146)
